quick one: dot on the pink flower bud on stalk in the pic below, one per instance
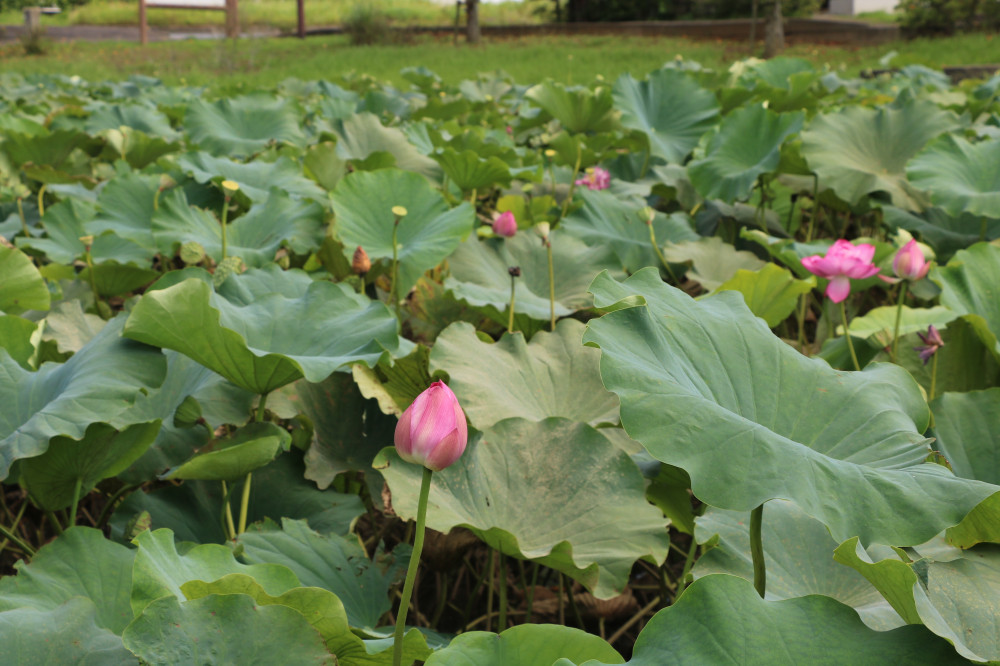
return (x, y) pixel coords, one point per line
(932, 343)
(596, 179)
(909, 263)
(432, 431)
(505, 224)
(843, 262)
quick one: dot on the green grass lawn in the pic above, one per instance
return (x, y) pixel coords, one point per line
(254, 63)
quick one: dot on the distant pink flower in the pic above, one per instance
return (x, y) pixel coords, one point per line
(932, 342)
(843, 262)
(596, 179)
(505, 224)
(432, 431)
(909, 262)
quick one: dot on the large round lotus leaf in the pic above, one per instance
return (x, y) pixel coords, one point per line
(961, 177)
(607, 220)
(142, 116)
(576, 108)
(858, 151)
(705, 386)
(98, 384)
(430, 231)
(721, 620)
(670, 107)
(553, 375)
(256, 179)
(224, 629)
(242, 126)
(469, 171)
(967, 427)
(101, 453)
(23, 286)
(524, 645)
(70, 327)
(15, 338)
(361, 135)
(947, 234)
(67, 634)
(330, 562)
(233, 457)
(746, 147)
(955, 593)
(254, 237)
(479, 274)
(771, 293)
(78, 563)
(160, 569)
(323, 610)
(970, 286)
(554, 491)
(266, 327)
(798, 551)
(713, 261)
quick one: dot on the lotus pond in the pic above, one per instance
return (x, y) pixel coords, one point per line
(728, 353)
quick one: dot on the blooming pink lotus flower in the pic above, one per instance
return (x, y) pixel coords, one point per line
(505, 224)
(596, 179)
(842, 263)
(909, 262)
(432, 431)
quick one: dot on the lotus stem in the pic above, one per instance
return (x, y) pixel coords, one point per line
(411, 570)
(41, 202)
(77, 487)
(572, 184)
(930, 394)
(552, 284)
(492, 574)
(14, 539)
(899, 316)
(847, 334)
(757, 551)
(562, 605)
(572, 604)
(24, 220)
(632, 620)
(93, 281)
(659, 254)
(110, 505)
(515, 272)
(502, 583)
(530, 600)
(227, 512)
(688, 563)
(395, 266)
(815, 210)
(225, 218)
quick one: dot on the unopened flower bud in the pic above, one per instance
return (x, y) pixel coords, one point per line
(505, 225)
(360, 263)
(514, 271)
(432, 431)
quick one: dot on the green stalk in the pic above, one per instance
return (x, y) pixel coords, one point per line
(688, 563)
(245, 499)
(225, 217)
(572, 184)
(847, 334)
(41, 203)
(801, 320)
(14, 539)
(757, 550)
(502, 582)
(24, 220)
(491, 567)
(93, 282)
(552, 284)
(930, 395)
(510, 320)
(659, 254)
(227, 513)
(530, 601)
(76, 500)
(395, 267)
(899, 315)
(815, 210)
(411, 570)
(56, 525)
(109, 507)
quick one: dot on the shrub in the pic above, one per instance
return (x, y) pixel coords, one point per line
(950, 16)
(366, 23)
(644, 10)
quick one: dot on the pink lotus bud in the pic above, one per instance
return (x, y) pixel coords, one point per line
(432, 431)
(596, 179)
(843, 262)
(909, 262)
(505, 225)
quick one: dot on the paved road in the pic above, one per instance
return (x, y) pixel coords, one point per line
(101, 33)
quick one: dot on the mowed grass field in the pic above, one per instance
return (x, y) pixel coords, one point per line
(228, 67)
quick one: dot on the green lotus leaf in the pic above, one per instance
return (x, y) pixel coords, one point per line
(242, 126)
(78, 563)
(256, 179)
(395, 387)
(64, 635)
(705, 386)
(798, 552)
(970, 286)
(23, 286)
(479, 274)
(49, 148)
(267, 327)
(429, 232)
(70, 327)
(606, 220)
(160, 569)
(143, 117)
(786, 84)
(553, 375)
(15, 337)
(331, 562)
(947, 234)
(70, 469)
(746, 147)
(961, 177)
(670, 107)
(349, 429)
(97, 385)
(954, 593)
(193, 509)
(714, 262)
(503, 489)
(323, 610)
(525, 645)
(879, 324)
(771, 293)
(136, 148)
(223, 629)
(125, 207)
(576, 108)
(254, 237)
(362, 135)
(233, 457)
(858, 151)
(745, 629)
(470, 172)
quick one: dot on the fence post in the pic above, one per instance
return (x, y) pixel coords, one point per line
(232, 20)
(143, 27)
